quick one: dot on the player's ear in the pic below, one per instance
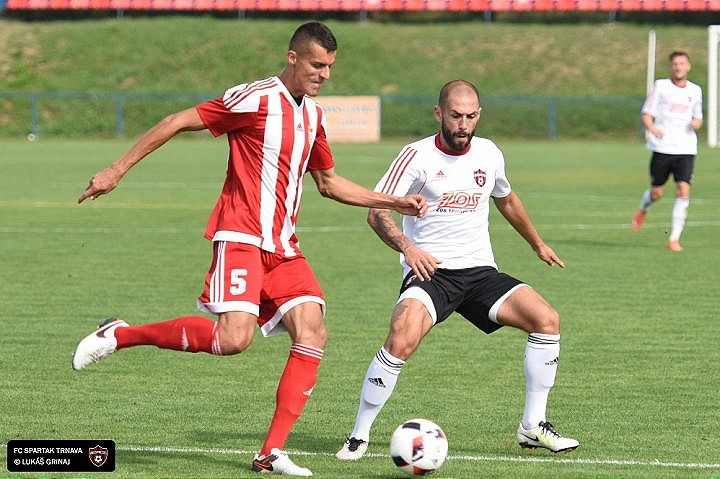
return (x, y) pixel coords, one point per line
(292, 57)
(438, 114)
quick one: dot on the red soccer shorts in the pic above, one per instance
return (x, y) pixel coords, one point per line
(243, 277)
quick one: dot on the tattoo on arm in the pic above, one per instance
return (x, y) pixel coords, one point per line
(382, 222)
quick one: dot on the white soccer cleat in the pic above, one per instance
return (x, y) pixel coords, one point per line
(98, 345)
(352, 450)
(278, 462)
(544, 435)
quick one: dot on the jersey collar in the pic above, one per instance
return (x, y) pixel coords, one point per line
(439, 146)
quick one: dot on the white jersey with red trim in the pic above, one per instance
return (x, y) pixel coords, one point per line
(672, 108)
(273, 142)
(458, 187)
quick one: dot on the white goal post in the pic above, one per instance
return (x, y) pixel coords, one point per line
(712, 98)
(650, 80)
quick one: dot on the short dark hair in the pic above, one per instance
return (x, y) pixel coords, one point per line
(679, 53)
(313, 32)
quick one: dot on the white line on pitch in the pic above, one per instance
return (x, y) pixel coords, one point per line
(609, 462)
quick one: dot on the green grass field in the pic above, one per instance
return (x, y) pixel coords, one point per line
(637, 385)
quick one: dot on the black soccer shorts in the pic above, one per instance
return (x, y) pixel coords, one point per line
(661, 165)
(475, 293)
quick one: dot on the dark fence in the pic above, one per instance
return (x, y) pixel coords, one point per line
(108, 115)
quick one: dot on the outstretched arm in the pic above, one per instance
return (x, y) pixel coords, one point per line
(423, 264)
(106, 180)
(514, 212)
(332, 185)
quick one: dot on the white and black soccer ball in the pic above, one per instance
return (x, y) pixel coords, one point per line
(418, 447)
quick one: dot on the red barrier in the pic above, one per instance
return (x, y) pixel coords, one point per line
(371, 5)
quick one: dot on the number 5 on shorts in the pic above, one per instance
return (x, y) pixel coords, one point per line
(239, 285)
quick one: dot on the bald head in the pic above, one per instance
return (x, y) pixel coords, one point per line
(457, 88)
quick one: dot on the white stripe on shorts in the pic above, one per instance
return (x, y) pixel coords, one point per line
(420, 294)
(217, 285)
(274, 326)
(492, 314)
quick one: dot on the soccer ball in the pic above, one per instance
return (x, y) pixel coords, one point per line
(418, 447)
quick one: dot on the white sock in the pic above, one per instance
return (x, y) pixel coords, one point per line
(679, 213)
(379, 384)
(541, 359)
(645, 202)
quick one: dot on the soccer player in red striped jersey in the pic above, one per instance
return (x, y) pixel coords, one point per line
(276, 133)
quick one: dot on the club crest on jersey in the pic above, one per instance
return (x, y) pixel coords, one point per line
(479, 177)
(98, 455)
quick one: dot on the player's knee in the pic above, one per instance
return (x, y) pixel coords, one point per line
(544, 320)
(401, 346)
(320, 336)
(655, 195)
(548, 322)
(234, 343)
(313, 334)
(306, 325)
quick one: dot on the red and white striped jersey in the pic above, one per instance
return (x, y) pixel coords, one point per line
(273, 142)
(457, 187)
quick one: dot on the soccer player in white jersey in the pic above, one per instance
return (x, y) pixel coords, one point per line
(448, 265)
(672, 113)
(275, 132)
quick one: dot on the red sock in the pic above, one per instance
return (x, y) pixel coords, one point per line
(296, 384)
(187, 333)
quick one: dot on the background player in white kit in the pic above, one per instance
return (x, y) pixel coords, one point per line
(672, 113)
(449, 266)
(275, 132)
